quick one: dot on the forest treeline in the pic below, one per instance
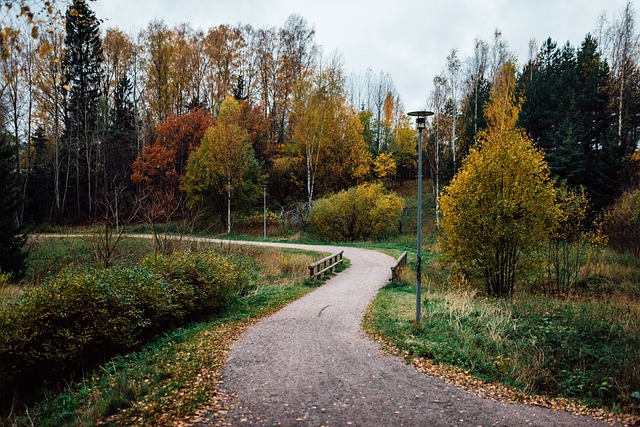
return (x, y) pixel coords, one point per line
(96, 122)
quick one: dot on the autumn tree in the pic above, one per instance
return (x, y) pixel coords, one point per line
(16, 93)
(223, 46)
(158, 64)
(162, 164)
(384, 166)
(223, 164)
(19, 17)
(49, 113)
(622, 42)
(327, 135)
(501, 203)
(296, 54)
(405, 149)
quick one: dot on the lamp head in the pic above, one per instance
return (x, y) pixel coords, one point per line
(421, 118)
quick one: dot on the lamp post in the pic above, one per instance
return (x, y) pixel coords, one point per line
(264, 211)
(421, 122)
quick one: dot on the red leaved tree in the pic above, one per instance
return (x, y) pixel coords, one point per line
(161, 165)
(159, 168)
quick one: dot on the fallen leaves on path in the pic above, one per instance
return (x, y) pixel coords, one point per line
(495, 391)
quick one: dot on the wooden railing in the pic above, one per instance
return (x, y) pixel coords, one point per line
(325, 265)
(395, 270)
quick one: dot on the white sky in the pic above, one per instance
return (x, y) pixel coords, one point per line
(410, 40)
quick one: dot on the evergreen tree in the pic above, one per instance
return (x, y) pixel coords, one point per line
(12, 257)
(567, 112)
(603, 150)
(40, 186)
(81, 63)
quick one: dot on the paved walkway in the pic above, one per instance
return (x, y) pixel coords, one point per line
(310, 364)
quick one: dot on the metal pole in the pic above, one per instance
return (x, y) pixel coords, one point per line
(264, 209)
(421, 121)
(115, 192)
(419, 231)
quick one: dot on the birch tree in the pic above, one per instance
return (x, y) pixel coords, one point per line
(624, 54)
(222, 161)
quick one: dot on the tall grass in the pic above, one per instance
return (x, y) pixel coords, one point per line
(588, 350)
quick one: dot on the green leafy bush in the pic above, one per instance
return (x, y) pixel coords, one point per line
(84, 316)
(359, 213)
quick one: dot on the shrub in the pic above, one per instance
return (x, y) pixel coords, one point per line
(359, 213)
(202, 282)
(572, 247)
(84, 316)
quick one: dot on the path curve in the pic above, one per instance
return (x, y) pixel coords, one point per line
(311, 364)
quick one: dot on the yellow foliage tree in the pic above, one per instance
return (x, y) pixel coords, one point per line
(223, 159)
(328, 135)
(359, 213)
(384, 166)
(405, 150)
(501, 204)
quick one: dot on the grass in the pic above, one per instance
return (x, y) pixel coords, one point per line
(584, 348)
(176, 376)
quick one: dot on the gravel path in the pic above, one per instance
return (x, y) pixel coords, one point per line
(310, 364)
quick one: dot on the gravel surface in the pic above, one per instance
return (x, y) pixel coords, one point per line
(310, 364)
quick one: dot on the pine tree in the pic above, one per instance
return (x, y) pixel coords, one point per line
(567, 112)
(12, 257)
(81, 63)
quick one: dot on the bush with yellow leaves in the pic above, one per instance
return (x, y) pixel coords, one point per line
(359, 213)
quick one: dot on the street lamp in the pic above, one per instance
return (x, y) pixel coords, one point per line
(421, 123)
(264, 210)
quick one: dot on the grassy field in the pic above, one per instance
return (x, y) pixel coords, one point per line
(173, 377)
(585, 348)
(576, 353)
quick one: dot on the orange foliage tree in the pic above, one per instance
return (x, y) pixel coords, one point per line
(161, 165)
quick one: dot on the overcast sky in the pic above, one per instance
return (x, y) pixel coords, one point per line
(410, 40)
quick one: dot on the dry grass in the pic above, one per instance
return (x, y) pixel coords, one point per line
(280, 263)
(9, 292)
